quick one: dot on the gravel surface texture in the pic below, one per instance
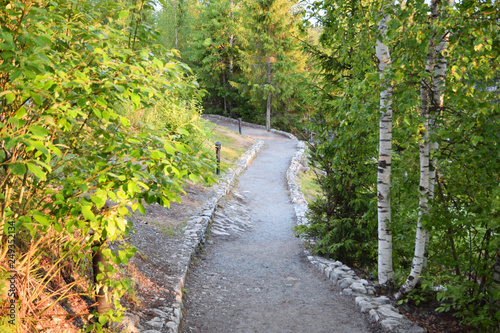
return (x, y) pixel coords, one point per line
(254, 276)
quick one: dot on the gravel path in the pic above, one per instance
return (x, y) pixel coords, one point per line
(254, 277)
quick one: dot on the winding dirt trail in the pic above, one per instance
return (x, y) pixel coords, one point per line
(256, 278)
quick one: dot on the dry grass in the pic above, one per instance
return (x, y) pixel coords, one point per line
(52, 291)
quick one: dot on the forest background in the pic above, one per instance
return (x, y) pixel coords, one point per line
(101, 101)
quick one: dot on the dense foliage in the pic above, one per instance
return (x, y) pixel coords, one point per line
(247, 55)
(95, 120)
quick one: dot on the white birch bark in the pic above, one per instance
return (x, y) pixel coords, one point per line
(385, 269)
(432, 100)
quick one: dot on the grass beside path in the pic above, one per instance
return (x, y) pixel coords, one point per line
(309, 184)
(233, 144)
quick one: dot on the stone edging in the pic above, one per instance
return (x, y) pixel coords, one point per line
(197, 226)
(235, 121)
(380, 308)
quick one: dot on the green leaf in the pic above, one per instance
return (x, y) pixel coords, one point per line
(37, 171)
(41, 219)
(135, 98)
(111, 228)
(123, 14)
(87, 214)
(194, 178)
(99, 199)
(38, 131)
(9, 96)
(40, 147)
(169, 148)
(124, 121)
(101, 101)
(123, 257)
(141, 209)
(18, 169)
(157, 155)
(36, 97)
(58, 227)
(123, 210)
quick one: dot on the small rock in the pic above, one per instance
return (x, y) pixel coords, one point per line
(343, 285)
(373, 315)
(415, 329)
(155, 323)
(359, 299)
(381, 300)
(160, 313)
(348, 291)
(177, 313)
(390, 324)
(389, 311)
(358, 287)
(366, 306)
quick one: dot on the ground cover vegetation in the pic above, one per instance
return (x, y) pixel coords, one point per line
(96, 119)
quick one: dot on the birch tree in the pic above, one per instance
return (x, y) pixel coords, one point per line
(385, 270)
(432, 100)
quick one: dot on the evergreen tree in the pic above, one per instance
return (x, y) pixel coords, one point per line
(274, 62)
(215, 51)
(177, 21)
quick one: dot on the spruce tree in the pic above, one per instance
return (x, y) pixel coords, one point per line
(274, 63)
(215, 52)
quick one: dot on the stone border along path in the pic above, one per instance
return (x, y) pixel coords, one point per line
(380, 309)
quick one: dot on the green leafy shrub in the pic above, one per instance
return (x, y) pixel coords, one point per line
(75, 75)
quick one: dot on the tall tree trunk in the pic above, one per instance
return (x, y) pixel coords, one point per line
(268, 106)
(224, 85)
(231, 39)
(175, 24)
(385, 271)
(432, 99)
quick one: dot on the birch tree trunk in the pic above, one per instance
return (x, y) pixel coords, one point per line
(385, 271)
(432, 99)
(268, 105)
